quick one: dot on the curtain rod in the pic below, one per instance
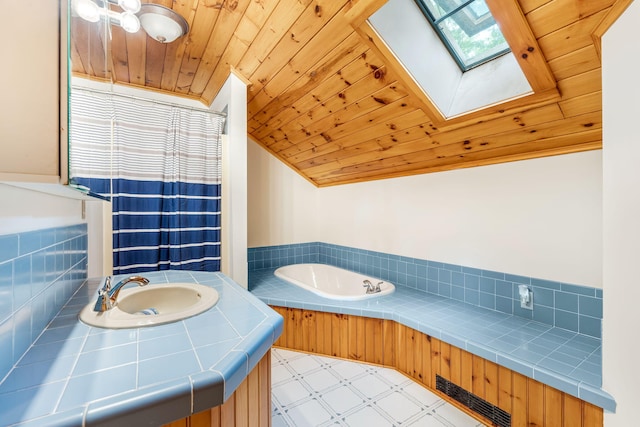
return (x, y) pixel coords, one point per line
(155, 101)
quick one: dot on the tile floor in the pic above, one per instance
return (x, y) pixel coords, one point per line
(312, 390)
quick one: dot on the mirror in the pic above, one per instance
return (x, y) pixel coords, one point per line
(111, 42)
(90, 59)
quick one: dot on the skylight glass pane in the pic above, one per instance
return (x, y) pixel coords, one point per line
(440, 8)
(467, 29)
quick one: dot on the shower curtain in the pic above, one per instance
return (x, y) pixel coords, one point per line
(161, 166)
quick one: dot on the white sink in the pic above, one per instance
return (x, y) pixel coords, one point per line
(152, 305)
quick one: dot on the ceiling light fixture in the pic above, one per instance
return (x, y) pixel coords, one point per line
(162, 23)
(128, 21)
(93, 12)
(132, 6)
(87, 10)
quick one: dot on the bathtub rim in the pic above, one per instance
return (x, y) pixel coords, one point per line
(364, 296)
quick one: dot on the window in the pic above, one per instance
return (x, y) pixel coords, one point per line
(467, 29)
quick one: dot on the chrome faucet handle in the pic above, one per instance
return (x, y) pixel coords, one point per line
(104, 301)
(367, 284)
(377, 288)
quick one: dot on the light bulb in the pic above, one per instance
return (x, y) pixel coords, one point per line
(132, 6)
(87, 10)
(129, 22)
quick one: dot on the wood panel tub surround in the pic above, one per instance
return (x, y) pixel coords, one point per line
(248, 406)
(422, 357)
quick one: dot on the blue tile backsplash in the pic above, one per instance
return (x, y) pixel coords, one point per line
(567, 306)
(39, 271)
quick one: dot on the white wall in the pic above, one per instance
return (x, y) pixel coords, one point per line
(28, 210)
(540, 218)
(100, 238)
(282, 205)
(232, 98)
(621, 207)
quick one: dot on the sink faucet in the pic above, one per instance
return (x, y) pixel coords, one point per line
(371, 288)
(108, 295)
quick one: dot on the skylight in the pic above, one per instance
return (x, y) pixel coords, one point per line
(467, 29)
(493, 74)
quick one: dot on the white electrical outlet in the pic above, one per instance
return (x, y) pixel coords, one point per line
(526, 297)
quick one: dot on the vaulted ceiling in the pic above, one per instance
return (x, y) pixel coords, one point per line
(327, 97)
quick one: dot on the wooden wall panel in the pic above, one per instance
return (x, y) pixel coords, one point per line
(421, 357)
(309, 336)
(477, 376)
(388, 341)
(428, 376)
(340, 340)
(491, 382)
(505, 389)
(592, 416)
(552, 406)
(571, 405)
(248, 406)
(445, 360)
(535, 403)
(456, 365)
(466, 371)
(519, 400)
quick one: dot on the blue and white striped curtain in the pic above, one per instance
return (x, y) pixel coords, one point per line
(161, 166)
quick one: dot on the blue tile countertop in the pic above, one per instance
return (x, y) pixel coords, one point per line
(77, 375)
(568, 361)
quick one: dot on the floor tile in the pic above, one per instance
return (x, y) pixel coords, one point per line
(312, 390)
(371, 385)
(348, 370)
(367, 416)
(399, 407)
(290, 392)
(320, 379)
(309, 413)
(454, 417)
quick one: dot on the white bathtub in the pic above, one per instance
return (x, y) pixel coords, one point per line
(332, 282)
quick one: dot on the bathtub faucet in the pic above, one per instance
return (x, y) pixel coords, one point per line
(108, 295)
(371, 288)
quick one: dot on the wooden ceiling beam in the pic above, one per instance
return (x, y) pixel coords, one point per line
(359, 11)
(615, 12)
(523, 44)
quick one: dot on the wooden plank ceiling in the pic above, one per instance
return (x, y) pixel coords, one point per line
(326, 99)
